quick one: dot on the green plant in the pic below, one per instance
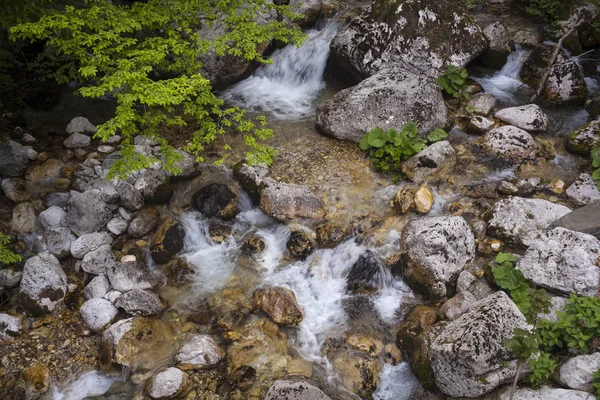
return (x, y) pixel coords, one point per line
(541, 367)
(595, 154)
(549, 10)
(513, 281)
(146, 56)
(388, 149)
(7, 256)
(596, 383)
(454, 82)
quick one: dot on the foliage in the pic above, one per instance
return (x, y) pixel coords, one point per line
(454, 82)
(549, 10)
(513, 281)
(7, 256)
(596, 383)
(147, 57)
(542, 367)
(388, 149)
(595, 154)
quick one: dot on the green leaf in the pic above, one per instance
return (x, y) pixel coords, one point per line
(410, 129)
(504, 257)
(376, 137)
(596, 175)
(463, 73)
(363, 144)
(436, 135)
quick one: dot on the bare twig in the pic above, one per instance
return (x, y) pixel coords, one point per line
(514, 385)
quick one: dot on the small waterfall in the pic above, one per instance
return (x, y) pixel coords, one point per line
(92, 383)
(288, 87)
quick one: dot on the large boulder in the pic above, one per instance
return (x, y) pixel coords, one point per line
(285, 201)
(13, 159)
(43, 284)
(143, 222)
(427, 164)
(87, 212)
(509, 143)
(584, 190)
(469, 356)
(423, 36)
(155, 186)
(583, 18)
(496, 54)
(583, 140)
(563, 261)
(389, 99)
(584, 219)
(436, 251)
(565, 84)
(129, 275)
(518, 220)
(130, 197)
(80, 125)
(77, 141)
(200, 352)
(529, 117)
(217, 200)
(250, 177)
(98, 261)
(279, 304)
(294, 390)
(577, 372)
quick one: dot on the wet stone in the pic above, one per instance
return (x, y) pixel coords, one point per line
(217, 200)
(140, 302)
(200, 352)
(98, 313)
(299, 244)
(279, 304)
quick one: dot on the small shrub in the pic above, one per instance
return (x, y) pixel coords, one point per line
(454, 82)
(595, 154)
(7, 256)
(596, 383)
(387, 149)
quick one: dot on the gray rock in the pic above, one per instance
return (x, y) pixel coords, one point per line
(113, 295)
(129, 275)
(97, 288)
(23, 219)
(585, 219)
(131, 198)
(9, 278)
(104, 148)
(140, 302)
(77, 141)
(58, 199)
(88, 242)
(154, 186)
(577, 372)
(187, 165)
(201, 351)
(117, 226)
(28, 138)
(217, 200)
(465, 279)
(250, 177)
(143, 222)
(123, 213)
(10, 327)
(32, 155)
(437, 249)
(584, 190)
(107, 190)
(509, 143)
(519, 221)
(483, 103)
(565, 84)
(43, 285)
(435, 159)
(98, 261)
(563, 261)
(528, 39)
(388, 99)
(583, 19)
(476, 124)
(529, 117)
(168, 384)
(14, 190)
(458, 305)
(583, 140)
(57, 241)
(545, 393)
(284, 201)
(421, 36)
(53, 217)
(469, 356)
(496, 54)
(557, 303)
(87, 212)
(80, 125)
(97, 313)
(294, 390)
(13, 159)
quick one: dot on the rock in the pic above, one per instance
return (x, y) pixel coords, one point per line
(200, 352)
(357, 371)
(483, 103)
(45, 175)
(291, 390)
(529, 117)
(28, 138)
(388, 99)
(57, 199)
(311, 10)
(13, 159)
(23, 219)
(583, 140)
(37, 380)
(154, 186)
(577, 372)
(250, 177)
(364, 273)
(546, 393)
(217, 200)
(107, 190)
(565, 84)
(300, 244)
(285, 201)
(167, 241)
(98, 261)
(53, 217)
(279, 304)
(77, 141)
(584, 190)
(88, 242)
(98, 313)
(469, 356)
(14, 190)
(423, 200)
(421, 36)
(112, 296)
(80, 125)
(143, 222)
(477, 124)
(509, 143)
(563, 261)
(557, 304)
(168, 384)
(458, 305)
(330, 235)
(9, 278)
(97, 288)
(437, 249)
(140, 302)
(536, 63)
(117, 226)
(527, 39)
(465, 279)
(584, 219)
(404, 199)
(583, 17)
(43, 285)
(496, 54)
(436, 158)
(57, 241)
(519, 221)
(254, 245)
(128, 275)
(87, 212)
(10, 327)
(130, 197)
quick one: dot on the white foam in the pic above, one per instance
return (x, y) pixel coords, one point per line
(89, 384)
(396, 382)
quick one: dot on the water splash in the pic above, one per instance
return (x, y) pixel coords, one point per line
(89, 384)
(288, 87)
(396, 382)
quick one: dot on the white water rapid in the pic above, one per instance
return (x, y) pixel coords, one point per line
(287, 88)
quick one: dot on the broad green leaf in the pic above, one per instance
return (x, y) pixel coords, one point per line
(436, 135)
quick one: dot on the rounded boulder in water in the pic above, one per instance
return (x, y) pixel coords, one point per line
(217, 200)
(279, 304)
